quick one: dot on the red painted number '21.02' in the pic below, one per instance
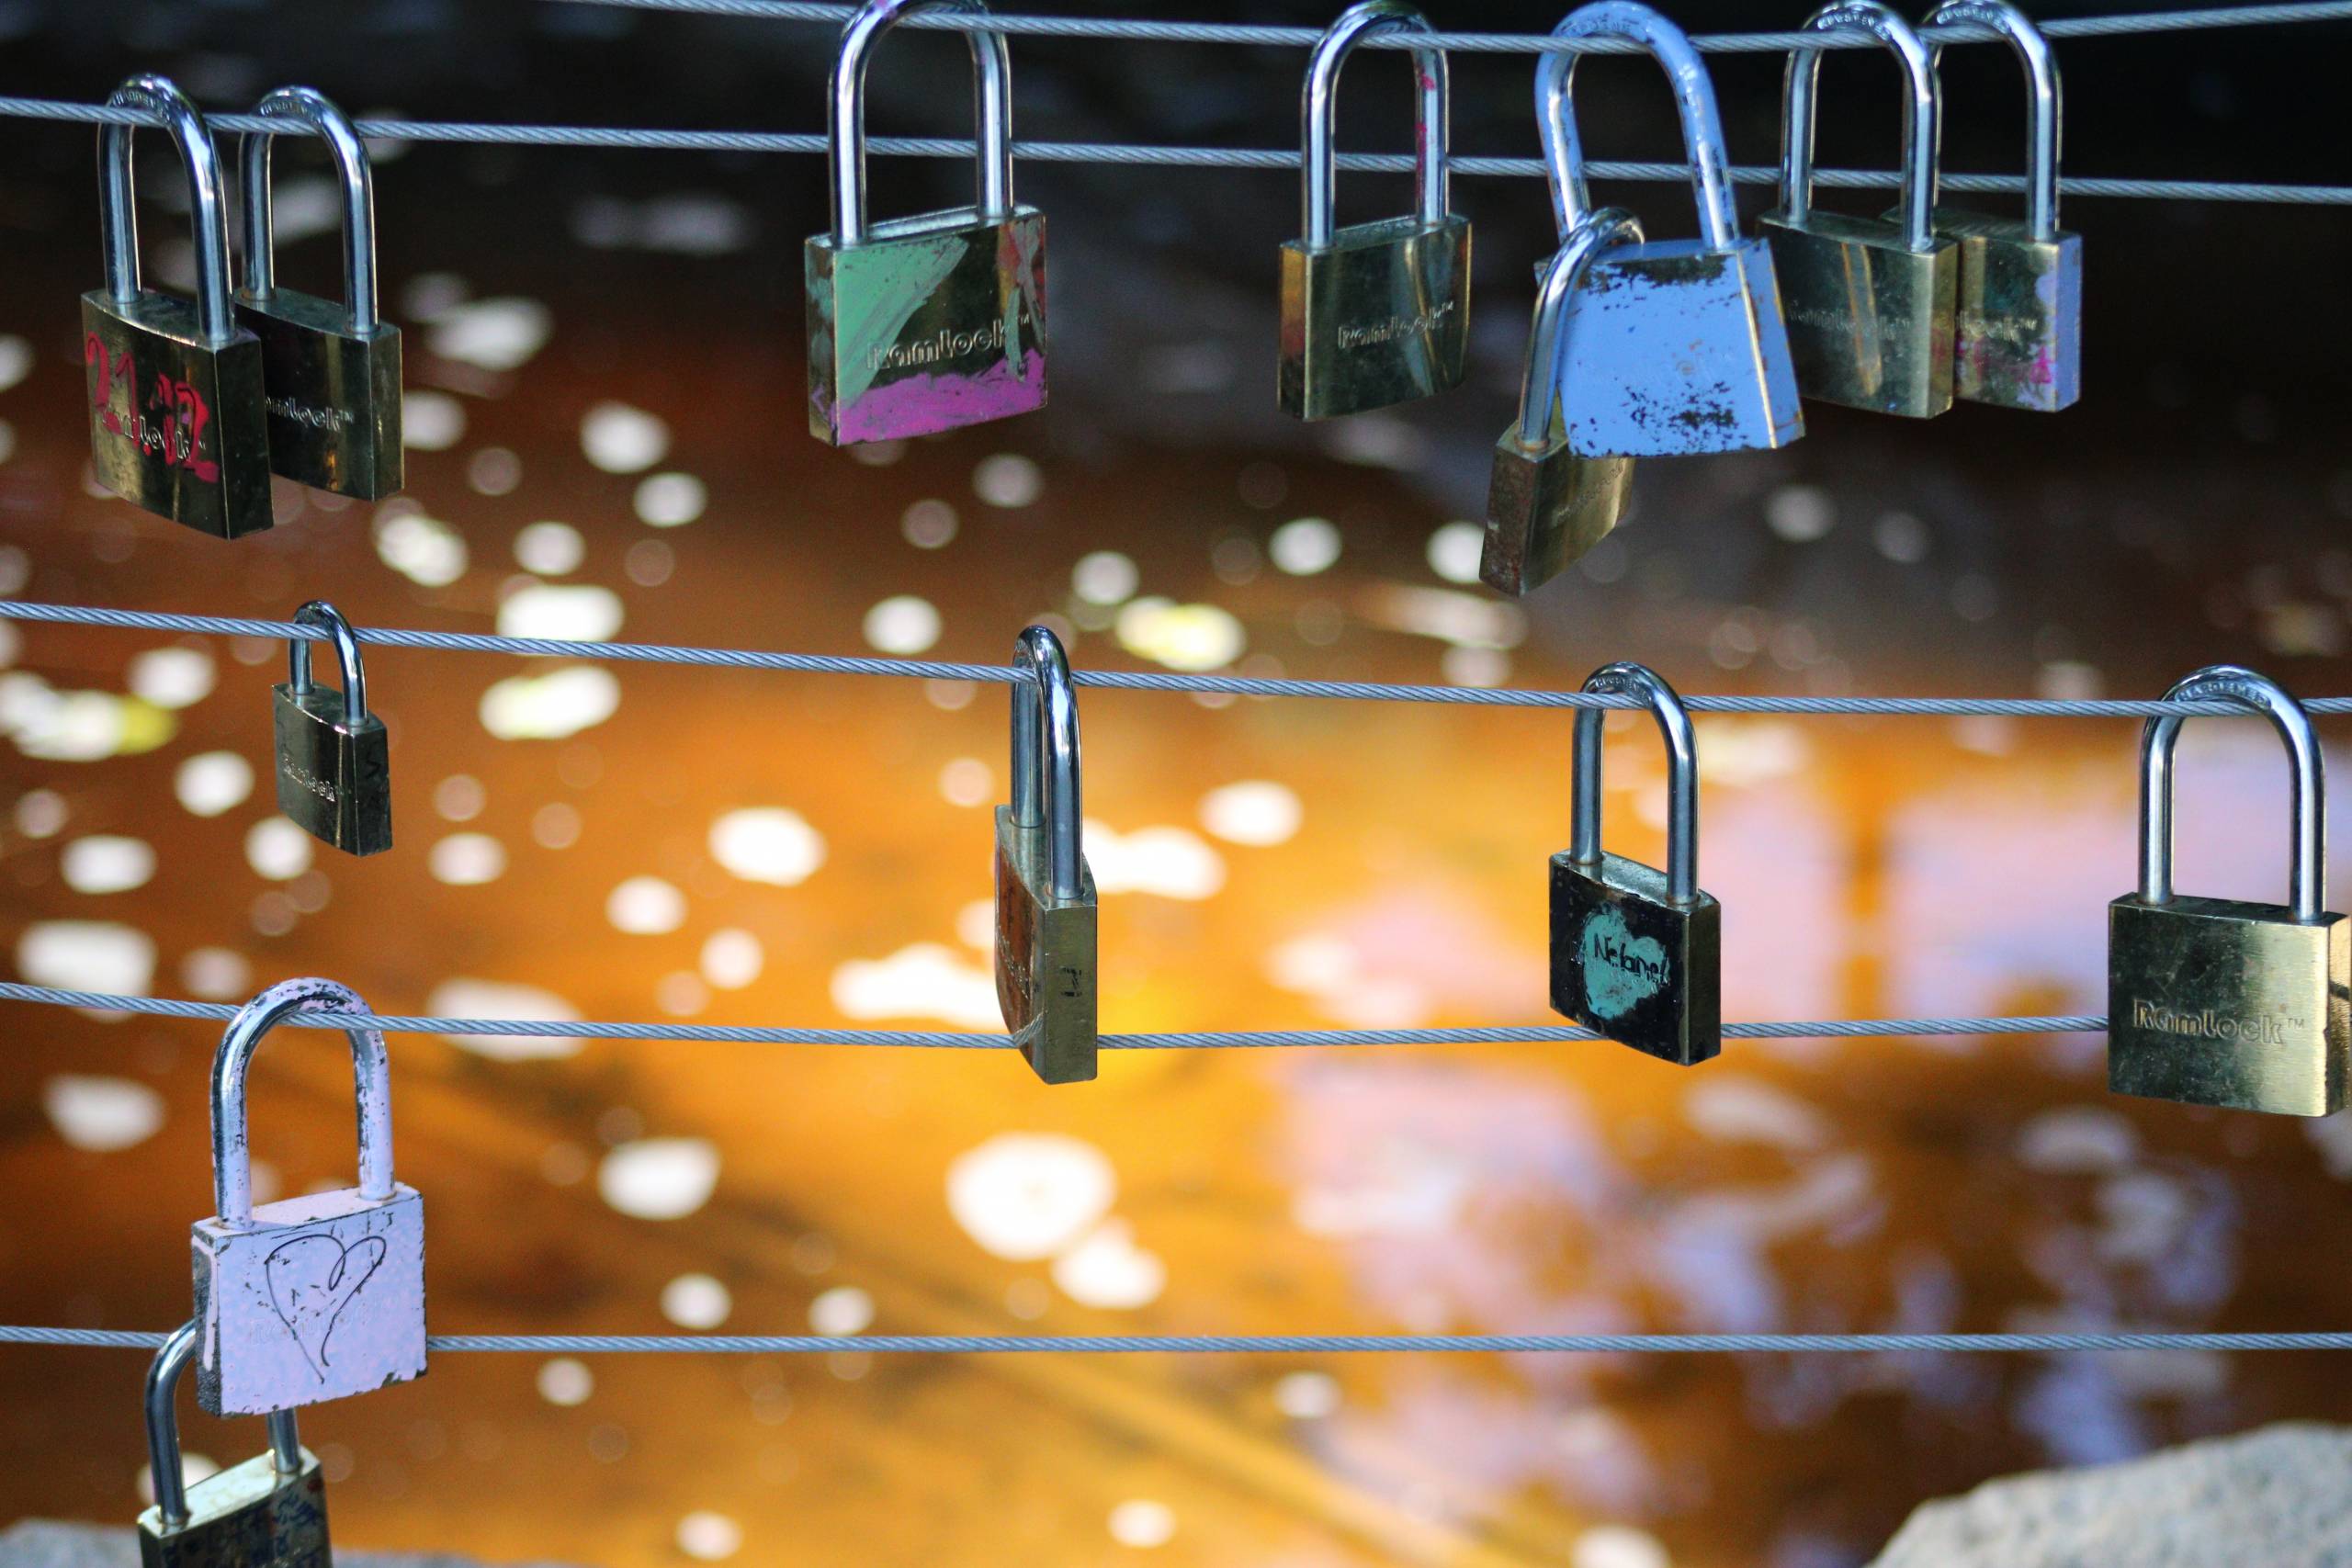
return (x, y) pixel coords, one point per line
(177, 433)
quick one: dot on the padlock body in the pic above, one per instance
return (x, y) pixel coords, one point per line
(1634, 966)
(1674, 349)
(177, 425)
(322, 1296)
(1544, 509)
(246, 1517)
(1045, 956)
(2019, 342)
(1379, 316)
(2212, 1001)
(1871, 320)
(927, 324)
(334, 778)
(334, 395)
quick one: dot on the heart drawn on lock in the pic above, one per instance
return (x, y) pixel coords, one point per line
(311, 1279)
(1620, 970)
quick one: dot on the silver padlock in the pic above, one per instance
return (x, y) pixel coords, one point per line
(315, 1297)
(1675, 347)
(1045, 894)
(334, 770)
(270, 1512)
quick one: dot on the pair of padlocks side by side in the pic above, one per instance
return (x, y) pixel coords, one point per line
(1045, 903)
(269, 1511)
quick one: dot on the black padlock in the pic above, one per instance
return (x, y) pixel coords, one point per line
(334, 771)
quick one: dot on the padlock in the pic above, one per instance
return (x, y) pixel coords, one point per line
(926, 324)
(1045, 894)
(1676, 345)
(2019, 340)
(270, 1512)
(316, 1297)
(177, 416)
(1870, 302)
(1545, 506)
(2216, 1001)
(332, 371)
(334, 770)
(1375, 313)
(1635, 955)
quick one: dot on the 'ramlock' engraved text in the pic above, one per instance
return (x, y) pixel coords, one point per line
(317, 786)
(937, 348)
(335, 420)
(2206, 1024)
(1394, 327)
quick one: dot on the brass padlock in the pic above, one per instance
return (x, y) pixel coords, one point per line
(1635, 955)
(1545, 506)
(177, 417)
(270, 1512)
(926, 324)
(334, 766)
(2215, 1002)
(1375, 313)
(1045, 894)
(1677, 345)
(1870, 302)
(332, 371)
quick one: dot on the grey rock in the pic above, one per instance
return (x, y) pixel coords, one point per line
(47, 1543)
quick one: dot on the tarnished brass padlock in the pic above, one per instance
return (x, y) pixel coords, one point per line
(1635, 955)
(178, 420)
(270, 1512)
(2215, 1002)
(1545, 506)
(334, 766)
(1045, 894)
(332, 371)
(1375, 313)
(926, 324)
(1870, 302)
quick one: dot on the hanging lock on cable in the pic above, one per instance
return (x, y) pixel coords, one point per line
(1675, 347)
(178, 420)
(332, 371)
(334, 770)
(270, 1512)
(1870, 301)
(319, 1296)
(1636, 954)
(2215, 1002)
(1045, 894)
(1375, 313)
(926, 324)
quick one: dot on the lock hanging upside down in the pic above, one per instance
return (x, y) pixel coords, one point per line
(270, 1512)
(335, 765)
(1045, 894)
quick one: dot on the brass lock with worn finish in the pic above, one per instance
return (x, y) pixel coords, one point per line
(334, 767)
(2217, 1001)
(1870, 301)
(1045, 894)
(1638, 954)
(270, 1512)
(1375, 313)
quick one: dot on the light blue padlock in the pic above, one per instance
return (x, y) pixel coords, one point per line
(1675, 347)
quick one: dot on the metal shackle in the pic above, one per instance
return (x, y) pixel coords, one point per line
(1547, 342)
(351, 167)
(1694, 94)
(2044, 110)
(319, 613)
(163, 1427)
(1318, 106)
(1922, 123)
(845, 112)
(208, 207)
(1044, 755)
(1681, 777)
(2307, 868)
(232, 1192)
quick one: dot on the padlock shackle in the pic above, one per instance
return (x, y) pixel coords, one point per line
(1922, 119)
(1547, 338)
(845, 111)
(232, 1187)
(208, 207)
(350, 157)
(163, 1375)
(1317, 116)
(1681, 777)
(1044, 756)
(2044, 108)
(2306, 865)
(319, 613)
(1694, 95)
